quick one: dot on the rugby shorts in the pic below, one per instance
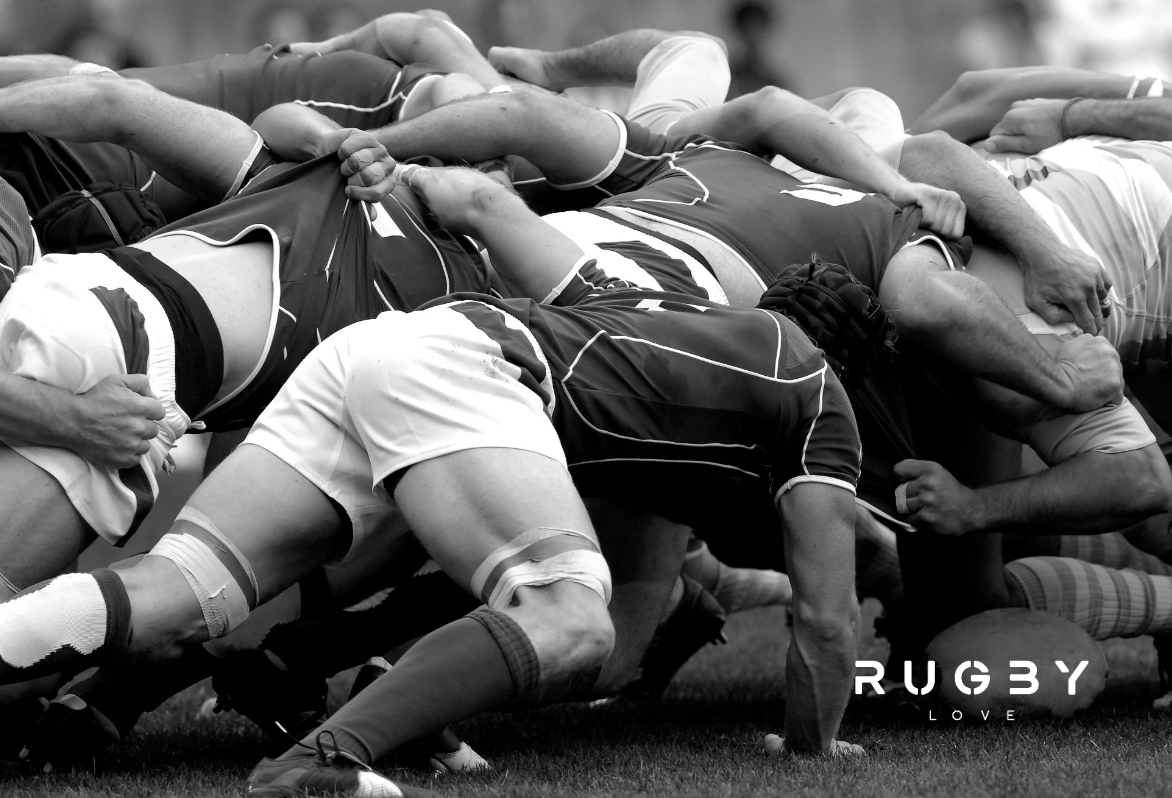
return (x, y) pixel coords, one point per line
(382, 395)
(71, 321)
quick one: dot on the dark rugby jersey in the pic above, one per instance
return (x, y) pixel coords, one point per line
(766, 216)
(354, 89)
(678, 405)
(338, 261)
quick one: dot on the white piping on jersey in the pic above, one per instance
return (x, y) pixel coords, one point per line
(381, 296)
(427, 237)
(611, 165)
(677, 168)
(246, 164)
(876, 511)
(695, 231)
(392, 97)
(273, 313)
(582, 351)
(706, 445)
(820, 373)
(665, 460)
(149, 181)
(814, 423)
(287, 313)
(931, 239)
(835, 481)
(774, 317)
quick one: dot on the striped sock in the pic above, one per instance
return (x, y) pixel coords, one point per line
(877, 573)
(1106, 602)
(72, 621)
(1114, 551)
(736, 589)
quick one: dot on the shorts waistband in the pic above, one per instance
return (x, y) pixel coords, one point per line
(199, 350)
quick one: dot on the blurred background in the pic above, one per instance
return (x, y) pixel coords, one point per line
(909, 49)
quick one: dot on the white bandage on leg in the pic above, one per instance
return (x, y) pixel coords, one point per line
(541, 556)
(222, 598)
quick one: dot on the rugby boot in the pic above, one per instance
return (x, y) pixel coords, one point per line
(331, 772)
(697, 620)
(72, 735)
(281, 703)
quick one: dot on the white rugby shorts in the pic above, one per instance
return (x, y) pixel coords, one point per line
(55, 330)
(678, 76)
(382, 395)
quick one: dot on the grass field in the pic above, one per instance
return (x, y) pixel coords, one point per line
(704, 739)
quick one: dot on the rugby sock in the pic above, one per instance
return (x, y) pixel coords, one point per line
(70, 622)
(735, 589)
(877, 573)
(1106, 602)
(326, 644)
(1112, 550)
(452, 673)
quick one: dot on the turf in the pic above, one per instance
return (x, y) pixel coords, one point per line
(704, 739)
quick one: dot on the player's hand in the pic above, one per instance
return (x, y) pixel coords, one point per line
(1094, 372)
(458, 196)
(942, 210)
(1028, 126)
(935, 501)
(366, 164)
(114, 421)
(1067, 284)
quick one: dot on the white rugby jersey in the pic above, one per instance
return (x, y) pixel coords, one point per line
(1111, 198)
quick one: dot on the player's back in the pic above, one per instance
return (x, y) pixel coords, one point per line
(1111, 198)
(338, 261)
(770, 219)
(682, 405)
(354, 89)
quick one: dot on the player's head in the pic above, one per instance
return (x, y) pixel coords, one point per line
(16, 236)
(841, 315)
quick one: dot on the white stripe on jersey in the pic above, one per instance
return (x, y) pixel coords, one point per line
(1110, 198)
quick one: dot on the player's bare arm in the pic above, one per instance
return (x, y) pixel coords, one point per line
(109, 424)
(1062, 284)
(567, 141)
(978, 99)
(407, 38)
(198, 148)
(1090, 494)
(819, 550)
(775, 120)
(295, 132)
(607, 62)
(530, 255)
(1033, 125)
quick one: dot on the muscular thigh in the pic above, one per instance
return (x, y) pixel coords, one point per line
(40, 532)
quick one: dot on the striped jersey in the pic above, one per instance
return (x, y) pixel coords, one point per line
(681, 406)
(336, 261)
(1111, 198)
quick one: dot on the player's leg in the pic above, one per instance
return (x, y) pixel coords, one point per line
(490, 518)
(198, 148)
(254, 527)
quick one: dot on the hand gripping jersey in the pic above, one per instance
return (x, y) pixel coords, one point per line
(354, 89)
(337, 261)
(681, 406)
(1111, 198)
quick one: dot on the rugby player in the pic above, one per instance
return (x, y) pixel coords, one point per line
(655, 401)
(422, 62)
(216, 311)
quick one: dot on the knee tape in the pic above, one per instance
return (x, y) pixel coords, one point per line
(541, 556)
(220, 576)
